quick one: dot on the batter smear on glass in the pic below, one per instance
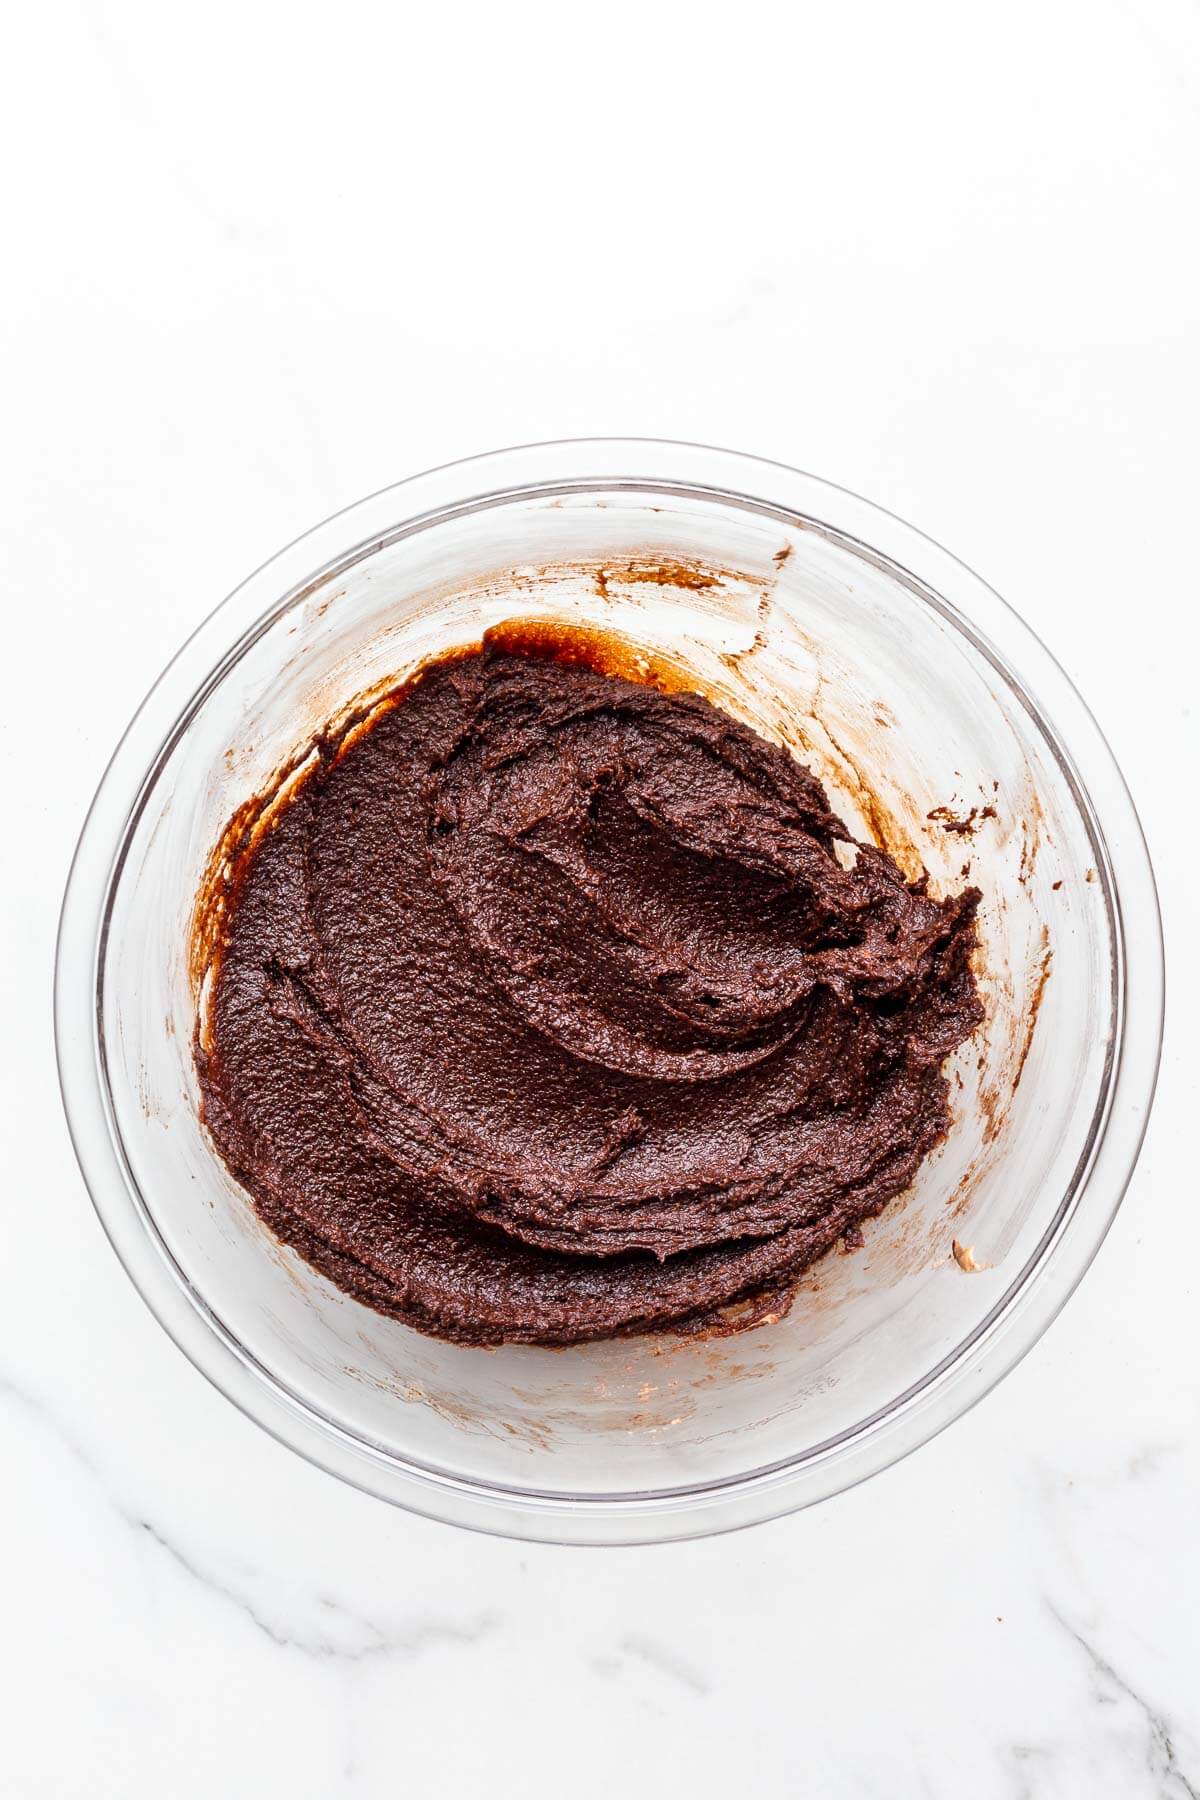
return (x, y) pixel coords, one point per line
(552, 1006)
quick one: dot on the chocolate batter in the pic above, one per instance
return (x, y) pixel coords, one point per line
(552, 1006)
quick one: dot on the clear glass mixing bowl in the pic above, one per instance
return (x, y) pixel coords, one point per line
(917, 696)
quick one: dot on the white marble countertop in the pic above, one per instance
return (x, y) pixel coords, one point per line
(264, 260)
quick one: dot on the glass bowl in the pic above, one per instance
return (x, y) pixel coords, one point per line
(926, 707)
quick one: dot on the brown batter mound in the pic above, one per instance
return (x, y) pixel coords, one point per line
(547, 1010)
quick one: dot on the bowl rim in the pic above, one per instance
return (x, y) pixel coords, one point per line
(1020, 1315)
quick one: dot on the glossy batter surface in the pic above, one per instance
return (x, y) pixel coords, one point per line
(552, 1006)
